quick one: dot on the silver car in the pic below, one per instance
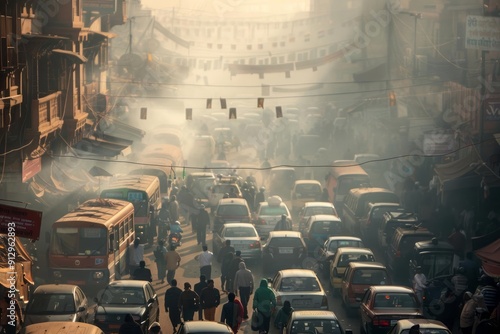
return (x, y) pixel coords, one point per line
(268, 215)
(301, 287)
(243, 237)
(58, 302)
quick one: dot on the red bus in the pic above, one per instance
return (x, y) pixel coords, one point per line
(89, 246)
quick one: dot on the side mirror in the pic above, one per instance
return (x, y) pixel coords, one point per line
(151, 300)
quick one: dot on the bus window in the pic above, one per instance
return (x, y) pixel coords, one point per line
(75, 241)
(121, 232)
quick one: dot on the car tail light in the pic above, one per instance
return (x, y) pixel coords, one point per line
(255, 244)
(381, 322)
(324, 302)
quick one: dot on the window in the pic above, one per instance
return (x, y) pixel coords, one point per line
(239, 232)
(285, 242)
(273, 211)
(78, 241)
(289, 284)
(370, 277)
(326, 326)
(47, 304)
(395, 300)
(121, 232)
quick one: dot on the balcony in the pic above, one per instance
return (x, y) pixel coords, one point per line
(46, 114)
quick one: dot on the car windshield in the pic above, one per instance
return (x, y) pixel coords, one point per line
(79, 241)
(395, 300)
(345, 259)
(326, 227)
(224, 188)
(273, 211)
(290, 284)
(285, 242)
(306, 189)
(47, 304)
(120, 295)
(325, 210)
(336, 244)
(232, 210)
(370, 277)
(315, 326)
(240, 232)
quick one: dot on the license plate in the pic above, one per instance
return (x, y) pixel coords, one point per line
(113, 326)
(286, 250)
(76, 282)
(301, 302)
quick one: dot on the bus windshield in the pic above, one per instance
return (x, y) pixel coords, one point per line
(78, 241)
(138, 198)
(351, 182)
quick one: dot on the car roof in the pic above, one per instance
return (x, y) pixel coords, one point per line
(354, 250)
(285, 234)
(344, 238)
(297, 273)
(390, 288)
(62, 327)
(325, 204)
(377, 204)
(424, 323)
(325, 218)
(232, 201)
(206, 327)
(367, 265)
(307, 182)
(128, 282)
(313, 314)
(239, 225)
(55, 288)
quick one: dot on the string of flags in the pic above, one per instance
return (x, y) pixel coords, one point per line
(232, 111)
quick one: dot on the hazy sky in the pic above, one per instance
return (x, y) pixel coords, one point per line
(269, 6)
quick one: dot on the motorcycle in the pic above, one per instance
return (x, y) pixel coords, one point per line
(175, 236)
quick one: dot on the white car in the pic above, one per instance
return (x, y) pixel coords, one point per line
(301, 287)
(268, 214)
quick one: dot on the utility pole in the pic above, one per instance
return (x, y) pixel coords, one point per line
(417, 16)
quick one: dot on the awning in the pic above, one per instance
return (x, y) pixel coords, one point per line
(451, 175)
(47, 37)
(489, 254)
(71, 56)
(113, 139)
(100, 147)
(114, 127)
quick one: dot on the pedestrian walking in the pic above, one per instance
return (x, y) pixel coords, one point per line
(232, 313)
(243, 285)
(173, 261)
(468, 315)
(283, 315)
(172, 297)
(205, 261)
(224, 271)
(264, 302)
(259, 198)
(142, 273)
(155, 328)
(210, 300)
(202, 221)
(173, 208)
(283, 224)
(198, 287)
(419, 284)
(129, 326)
(135, 255)
(160, 254)
(189, 302)
(234, 266)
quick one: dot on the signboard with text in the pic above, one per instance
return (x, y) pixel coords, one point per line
(482, 33)
(21, 222)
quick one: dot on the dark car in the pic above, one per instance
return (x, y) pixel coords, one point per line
(283, 248)
(231, 210)
(383, 305)
(58, 302)
(390, 222)
(375, 213)
(123, 297)
(399, 249)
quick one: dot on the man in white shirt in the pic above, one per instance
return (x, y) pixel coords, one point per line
(419, 285)
(205, 261)
(136, 255)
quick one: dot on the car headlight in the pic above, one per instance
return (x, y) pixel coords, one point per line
(98, 275)
(57, 274)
